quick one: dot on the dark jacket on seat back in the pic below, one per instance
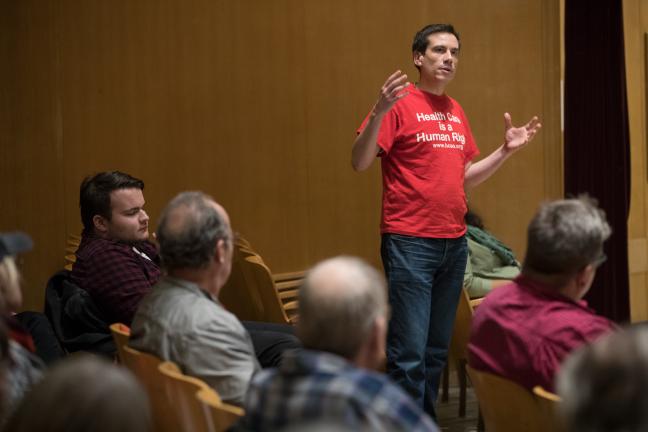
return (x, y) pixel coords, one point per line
(76, 320)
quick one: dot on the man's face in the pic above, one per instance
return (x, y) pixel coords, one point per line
(439, 61)
(226, 249)
(129, 221)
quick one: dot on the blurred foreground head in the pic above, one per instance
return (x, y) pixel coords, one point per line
(84, 393)
(11, 244)
(604, 386)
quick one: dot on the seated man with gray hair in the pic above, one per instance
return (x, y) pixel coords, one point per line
(181, 319)
(342, 325)
(523, 331)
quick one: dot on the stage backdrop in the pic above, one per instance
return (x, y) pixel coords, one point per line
(635, 20)
(257, 103)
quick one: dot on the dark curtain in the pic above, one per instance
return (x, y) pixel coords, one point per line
(597, 145)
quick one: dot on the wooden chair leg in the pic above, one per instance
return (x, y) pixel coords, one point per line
(445, 384)
(461, 375)
(480, 421)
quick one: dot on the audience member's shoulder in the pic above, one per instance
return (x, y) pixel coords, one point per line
(373, 384)
(96, 247)
(500, 294)
(392, 404)
(208, 314)
(572, 322)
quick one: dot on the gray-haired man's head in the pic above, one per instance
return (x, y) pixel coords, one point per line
(565, 236)
(340, 303)
(190, 228)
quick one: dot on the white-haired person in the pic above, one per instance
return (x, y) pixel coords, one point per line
(342, 325)
(21, 368)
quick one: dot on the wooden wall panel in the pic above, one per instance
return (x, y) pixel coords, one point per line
(519, 74)
(256, 103)
(30, 142)
(635, 15)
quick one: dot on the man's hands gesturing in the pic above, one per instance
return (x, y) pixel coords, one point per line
(391, 92)
(366, 147)
(517, 137)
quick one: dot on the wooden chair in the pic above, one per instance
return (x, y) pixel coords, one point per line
(252, 293)
(71, 247)
(220, 414)
(145, 367)
(287, 288)
(120, 333)
(195, 416)
(548, 404)
(458, 352)
(507, 406)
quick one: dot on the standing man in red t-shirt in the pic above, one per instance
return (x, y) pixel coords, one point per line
(426, 148)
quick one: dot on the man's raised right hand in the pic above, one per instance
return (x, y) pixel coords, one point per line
(391, 92)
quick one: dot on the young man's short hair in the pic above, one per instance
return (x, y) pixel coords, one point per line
(94, 196)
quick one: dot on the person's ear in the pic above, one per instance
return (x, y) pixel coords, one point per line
(100, 223)
(584, 275)
(418, 58)
(377, 343)
(219, 252)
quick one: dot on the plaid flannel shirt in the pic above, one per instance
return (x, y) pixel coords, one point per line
(116, 275)
(312, 386)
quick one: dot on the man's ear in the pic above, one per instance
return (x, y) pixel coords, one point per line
(417, 57)
(376, 344)
(100, 224)
(219, 251)
(584, 274)
(583, 282)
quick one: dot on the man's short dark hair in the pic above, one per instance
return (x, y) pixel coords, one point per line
(420, 43)
(94, 196)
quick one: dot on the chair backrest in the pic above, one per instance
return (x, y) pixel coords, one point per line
(240, 295)
(548, 404)
(287, 288)
(461, 331)
(181, 391)
(145, 367)
(71, 247)
(120, 333)
(250, 291)
(220, 415)
(507, 406)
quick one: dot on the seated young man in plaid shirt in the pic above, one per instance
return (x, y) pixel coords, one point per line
(118, 265)
(115, 262)
(342, 324)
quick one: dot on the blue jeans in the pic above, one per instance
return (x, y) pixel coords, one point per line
(425, 278)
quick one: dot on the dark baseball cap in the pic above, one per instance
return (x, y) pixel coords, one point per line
(12, 243)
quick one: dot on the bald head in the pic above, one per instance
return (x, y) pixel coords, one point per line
(189, 229)
(339, 302)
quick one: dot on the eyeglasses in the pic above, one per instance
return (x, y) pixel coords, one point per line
(599, 260)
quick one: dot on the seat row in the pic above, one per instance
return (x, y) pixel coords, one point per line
(178, 402)
(504, 405)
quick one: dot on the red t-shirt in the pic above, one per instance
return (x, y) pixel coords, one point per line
(425, 143)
